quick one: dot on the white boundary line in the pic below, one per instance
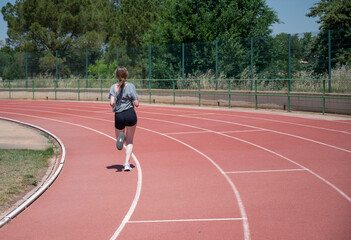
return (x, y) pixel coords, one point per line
(282, 133)
(348, 198)
(259, 128)
(292, 123)
(235, 190)
(265, 149)
(46, 185)
(268, 171)
(139, 184)
(224, 114)
(313, 173)
(188, 220)
(238, 131)
(127, 217)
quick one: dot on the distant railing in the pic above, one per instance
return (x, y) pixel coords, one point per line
(285, 94)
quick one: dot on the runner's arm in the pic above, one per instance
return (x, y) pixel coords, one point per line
(112, 101)
(136, 102)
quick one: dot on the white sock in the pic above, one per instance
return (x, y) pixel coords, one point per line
(129, 150)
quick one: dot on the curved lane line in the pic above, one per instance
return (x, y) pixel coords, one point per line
(139, 184)
(259, 128)
(203, 129)
(236, 192)
(292, 123)
(265, 149)
(316, 175)
(46, 185)
(127, 217)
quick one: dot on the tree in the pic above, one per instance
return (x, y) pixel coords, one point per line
(202, 21)
(335, 15)
(51, 25)
(131, 21)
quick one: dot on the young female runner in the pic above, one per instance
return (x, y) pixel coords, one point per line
(123, 98)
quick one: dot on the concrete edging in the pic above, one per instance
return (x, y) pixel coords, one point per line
(45, 186)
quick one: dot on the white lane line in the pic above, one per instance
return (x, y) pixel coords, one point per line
(239, 124)
(265, 149)
(268, 171)
(139, 184)
(235, 190)
(195, 132)
(341, 121)
(196, 114)
(273, 131)
(188, 220)
(48, 181)
(291, 123)
(265, 119)
(207, 130)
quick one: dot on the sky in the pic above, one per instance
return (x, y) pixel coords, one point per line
(290, 12)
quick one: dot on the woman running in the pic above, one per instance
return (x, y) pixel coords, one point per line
(123, 98)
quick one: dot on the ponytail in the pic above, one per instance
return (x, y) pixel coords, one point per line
(121, 74)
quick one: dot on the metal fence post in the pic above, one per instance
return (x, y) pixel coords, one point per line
(56, 52)
(26, 69)
(183, 49)
(216, 64)
(9, 89)
(56, 77)
(229, 94)
(329, 59)
(199, 92)
(323, 96)
(251, 65)
(289, 73)
(173, 91)
(101, 88)
(33, 87)
(256, 103)
(86, 68)
(78, 90)
(150, 74)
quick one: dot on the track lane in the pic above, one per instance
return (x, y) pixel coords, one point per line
(237, 220)
(247, 186)
(83, 199)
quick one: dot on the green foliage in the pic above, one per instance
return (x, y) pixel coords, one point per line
(102, 70)
(12, 64)
(131, 20)
(202, 21)
(5, 60)
(333, 15)
(47, 65)
(51, 25)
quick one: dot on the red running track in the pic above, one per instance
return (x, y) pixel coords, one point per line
(199, 174)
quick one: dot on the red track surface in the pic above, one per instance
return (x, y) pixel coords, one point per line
(199, 174)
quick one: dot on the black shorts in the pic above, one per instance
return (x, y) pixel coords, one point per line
(126, 118)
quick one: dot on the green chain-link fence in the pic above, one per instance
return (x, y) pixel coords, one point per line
(310, 71)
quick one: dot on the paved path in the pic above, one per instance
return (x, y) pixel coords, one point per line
(16, 136)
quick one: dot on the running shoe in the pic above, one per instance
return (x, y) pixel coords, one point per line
(127, 168)
(120, 141)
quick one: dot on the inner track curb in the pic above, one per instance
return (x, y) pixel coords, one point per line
(46, 184)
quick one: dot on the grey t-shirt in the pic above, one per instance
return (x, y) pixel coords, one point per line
(125, 97)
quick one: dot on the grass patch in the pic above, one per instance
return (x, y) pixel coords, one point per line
(19, 169)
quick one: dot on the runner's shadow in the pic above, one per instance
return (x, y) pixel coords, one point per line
(119, 168)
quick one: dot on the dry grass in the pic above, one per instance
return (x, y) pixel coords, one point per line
(303, 81)
(19, 169)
